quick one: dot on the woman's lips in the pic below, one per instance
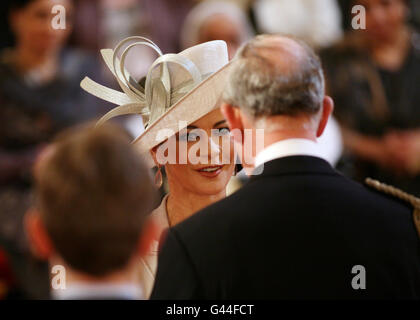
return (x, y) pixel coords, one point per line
(210, 171)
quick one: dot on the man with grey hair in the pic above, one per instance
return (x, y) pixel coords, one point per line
(298, 230)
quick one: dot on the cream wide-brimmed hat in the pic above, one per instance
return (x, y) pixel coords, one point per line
(178, 87)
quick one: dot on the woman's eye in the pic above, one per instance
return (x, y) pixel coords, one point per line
(190, 136)
(222, 131)
(42, 15)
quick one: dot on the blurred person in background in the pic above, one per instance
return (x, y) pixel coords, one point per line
(166, 18)
(317, 22)
(216, 20)
(93, 196)
(39, 96)
(373, 76)
(87, 26)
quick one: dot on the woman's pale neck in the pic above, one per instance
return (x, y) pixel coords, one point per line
(183, 203)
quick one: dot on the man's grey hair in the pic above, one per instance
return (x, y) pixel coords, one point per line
(261, 88)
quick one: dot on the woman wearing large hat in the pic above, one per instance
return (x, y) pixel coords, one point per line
(179, 102)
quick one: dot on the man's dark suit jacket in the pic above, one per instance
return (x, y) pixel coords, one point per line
(294, 232)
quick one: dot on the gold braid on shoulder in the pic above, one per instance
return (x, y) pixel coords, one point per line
(397, 193)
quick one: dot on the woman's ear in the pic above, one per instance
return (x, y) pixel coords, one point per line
(39, 240)
(234, 119)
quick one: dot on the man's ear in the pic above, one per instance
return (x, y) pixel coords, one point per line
(327, 109)
(234, 120)
(232, 116)
(148, 235)
(40, 242)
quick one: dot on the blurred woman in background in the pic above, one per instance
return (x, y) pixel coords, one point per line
(39, 96)
(373, 76)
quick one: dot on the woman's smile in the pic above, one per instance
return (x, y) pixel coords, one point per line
(210, 171)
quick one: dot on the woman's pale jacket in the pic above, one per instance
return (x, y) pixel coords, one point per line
(149, 262)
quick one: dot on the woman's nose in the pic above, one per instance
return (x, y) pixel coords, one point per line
(212, 152)
(215, 149)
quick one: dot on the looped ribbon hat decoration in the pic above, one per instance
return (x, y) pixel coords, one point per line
(178, 87)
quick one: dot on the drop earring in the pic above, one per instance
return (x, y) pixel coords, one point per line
(158, 178)
(238, 166)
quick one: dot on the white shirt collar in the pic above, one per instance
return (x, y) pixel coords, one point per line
(286, 148)
(79, 290)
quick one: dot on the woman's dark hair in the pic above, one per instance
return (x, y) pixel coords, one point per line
(345, 6)
(18, 4)
(6, 35)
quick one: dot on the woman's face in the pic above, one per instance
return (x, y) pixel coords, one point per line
(384, 18)
(33, 25)
(208, 169)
